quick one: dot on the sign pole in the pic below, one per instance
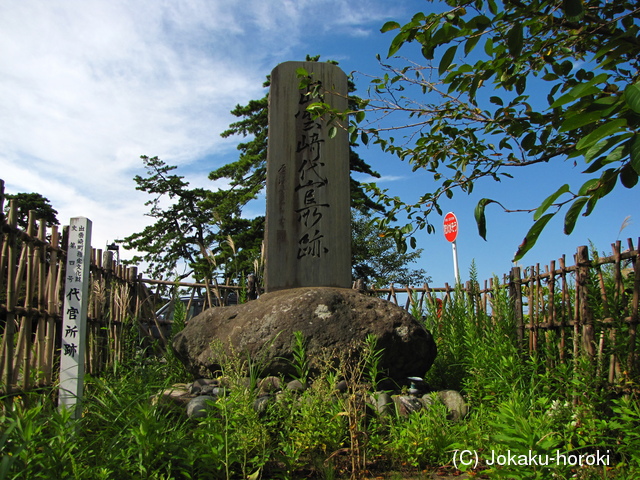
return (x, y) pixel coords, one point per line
(450, 226)
(456, 271)
(74, 320)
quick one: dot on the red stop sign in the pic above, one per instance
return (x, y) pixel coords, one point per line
(450, 227)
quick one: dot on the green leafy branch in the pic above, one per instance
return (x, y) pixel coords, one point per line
(472, 111)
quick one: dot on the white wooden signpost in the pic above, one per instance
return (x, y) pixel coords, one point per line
(450, 225)
(74, 320)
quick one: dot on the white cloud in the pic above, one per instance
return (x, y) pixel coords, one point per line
(383, 178)
(88, 86)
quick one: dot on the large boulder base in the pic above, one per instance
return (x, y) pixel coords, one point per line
(331, 319)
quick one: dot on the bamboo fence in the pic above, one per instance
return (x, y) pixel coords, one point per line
(585, 310)
(213, 293)
(588, 309)
(32, 272)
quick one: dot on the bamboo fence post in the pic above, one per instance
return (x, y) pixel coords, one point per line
(445, 297)
(102, 320)
(490, 298)
(132, 278)
(552, 303)
(566, 308)
(3, 258)
(3, 247)
(138, 307)
(38, 346)
(483, 295)
(619, 284)
(582, 285)
(24, 333)
(633, 324)
(33, 304)
(472, 293)
(208, 290)
(91, 308)
(529, 281)
(7, 339)
(552, 294)
(515, 294)
(531, 300)
(23, 261)
(576, 318)
(98, 286)
(56, 270)
(545, 301)
(393, 294)
(112, 316)
(447, 294)
(614, 365)
(538, 306)
(216, 291)
(421, 301)
(428, 294)
(107, 315)
(576, 330)
(102, 286)
(124, 306)
(542, 315)
(410, 301)
(116, 316)
(606, 314)
(619, 297)
(96, 292)
(163, 339)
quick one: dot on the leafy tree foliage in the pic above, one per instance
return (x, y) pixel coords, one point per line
(375, 259)
(188, 230)
(183, 230)
(509, 84)
(36, 202)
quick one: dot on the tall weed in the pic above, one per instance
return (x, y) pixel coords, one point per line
(518, 402)
(245, 438)
(38, 440)
(425, 438)
(625, 427)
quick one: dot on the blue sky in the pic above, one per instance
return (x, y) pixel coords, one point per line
(89, 86)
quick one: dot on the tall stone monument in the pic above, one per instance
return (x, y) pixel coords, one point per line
(307, 251)
(308, 220)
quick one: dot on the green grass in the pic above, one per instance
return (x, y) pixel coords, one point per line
(518, 404)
